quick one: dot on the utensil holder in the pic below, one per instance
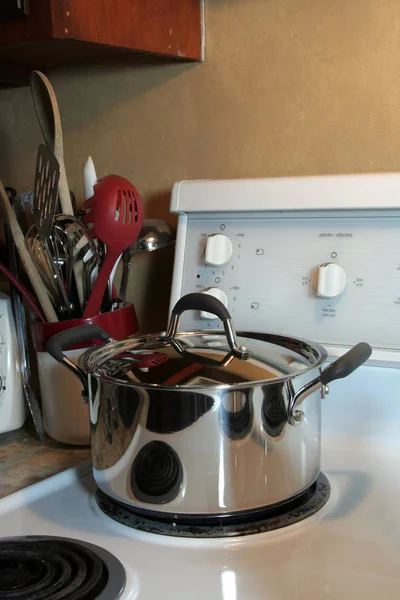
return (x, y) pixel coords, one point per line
(65, 414)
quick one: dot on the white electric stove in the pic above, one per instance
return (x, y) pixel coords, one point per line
(348, 549)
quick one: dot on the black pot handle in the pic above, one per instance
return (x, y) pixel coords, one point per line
(346, 364)
(70, 337)
(207, 303)
(342, 367)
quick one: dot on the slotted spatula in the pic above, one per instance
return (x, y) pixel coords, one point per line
(47, 177)
(44, 207)
(46, 105)
(116, 214)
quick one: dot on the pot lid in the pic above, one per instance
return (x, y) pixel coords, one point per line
(199, 359)
(204, 359)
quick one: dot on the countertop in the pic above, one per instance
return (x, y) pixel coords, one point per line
(24, 459)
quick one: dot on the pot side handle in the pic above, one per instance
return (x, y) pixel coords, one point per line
(342, 367)
(70, 337)
(346, 364)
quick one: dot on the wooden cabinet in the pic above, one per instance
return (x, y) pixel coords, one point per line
(60, 32)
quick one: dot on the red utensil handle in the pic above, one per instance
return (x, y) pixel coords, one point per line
(96, 297)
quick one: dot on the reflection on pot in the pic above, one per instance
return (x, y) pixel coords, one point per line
(273, 410)
(170, 411)
(236, 414)
(157, 474)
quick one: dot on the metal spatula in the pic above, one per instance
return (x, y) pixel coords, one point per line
(44, 206)
(47, 177)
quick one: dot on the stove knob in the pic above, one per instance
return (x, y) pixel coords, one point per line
(329, 280)
(217, 293)
(218, 250)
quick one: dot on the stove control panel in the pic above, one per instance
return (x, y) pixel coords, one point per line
(329, 276)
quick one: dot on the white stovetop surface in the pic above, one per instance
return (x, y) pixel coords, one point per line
(349, 550)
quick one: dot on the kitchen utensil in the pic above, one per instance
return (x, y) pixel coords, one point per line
(116, 214)
(23, 208)
(23, 362)
(27, 262)
(52, 256)
(155, 234)
(82, 246)
(90, 263)
(42, 258)
(66, 416)
(89, 178)
(70, 244)
(238, 429)
(24, 365)
(21, 288)
(17, 292)
(48, 114)
(46, 191)
(45, 200)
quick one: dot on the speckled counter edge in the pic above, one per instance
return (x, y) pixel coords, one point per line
(25, 460)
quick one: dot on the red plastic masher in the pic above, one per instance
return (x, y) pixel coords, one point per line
(116, 214)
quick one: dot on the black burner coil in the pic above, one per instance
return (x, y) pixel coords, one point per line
(49, 569)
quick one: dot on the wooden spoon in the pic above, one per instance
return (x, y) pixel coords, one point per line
(47, 111)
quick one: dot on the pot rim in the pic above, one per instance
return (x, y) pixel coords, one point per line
(313, 348)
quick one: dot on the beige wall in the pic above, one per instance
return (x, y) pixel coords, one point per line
(288, 87)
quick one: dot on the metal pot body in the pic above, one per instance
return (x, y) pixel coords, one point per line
(204, 423)
(206, 451)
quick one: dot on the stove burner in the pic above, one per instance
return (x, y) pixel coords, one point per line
(53, 568)
(244, 523)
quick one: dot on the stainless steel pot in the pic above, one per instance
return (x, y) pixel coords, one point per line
(204, 423)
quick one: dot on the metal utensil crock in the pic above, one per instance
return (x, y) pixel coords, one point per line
(204, 423)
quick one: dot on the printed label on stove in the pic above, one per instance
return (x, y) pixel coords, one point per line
(339, 234)
(329, 312)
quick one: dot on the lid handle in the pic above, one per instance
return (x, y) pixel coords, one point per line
(201, 302)
(206, 303)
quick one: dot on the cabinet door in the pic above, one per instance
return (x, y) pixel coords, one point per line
(50, 33)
